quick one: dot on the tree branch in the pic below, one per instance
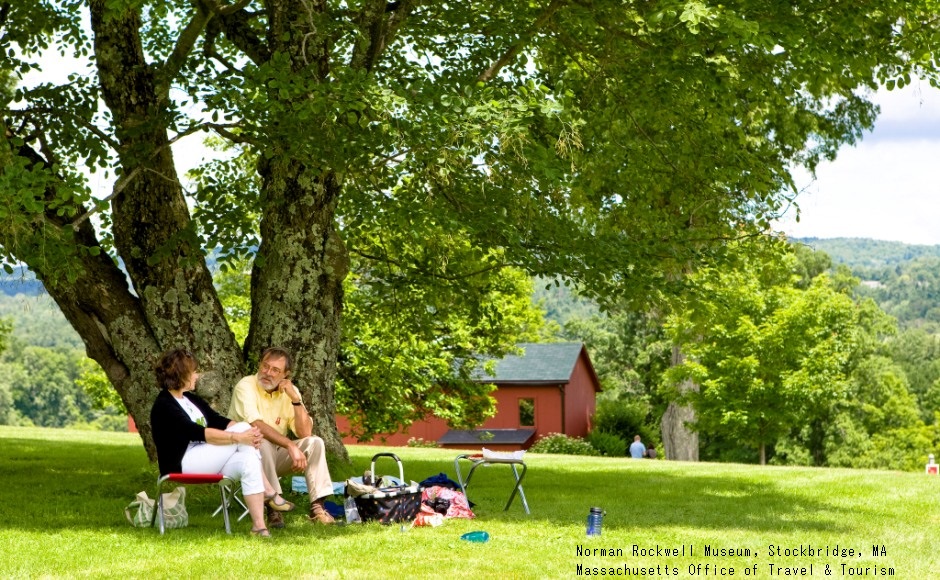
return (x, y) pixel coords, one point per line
(123, 182)
(224, 132)
(46, 150)
(218, 8)
(236, 25)
(430, 273)
(524, 39)
(398, 156)
(378, 23)
(4, 13)
(208, 47)
(184, 46)
(27, 113)
(119, 186)
(205, 11)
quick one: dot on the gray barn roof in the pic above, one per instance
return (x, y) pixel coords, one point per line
(487, 436)
(539, 363)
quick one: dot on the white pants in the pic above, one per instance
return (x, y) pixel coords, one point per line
(238, 462)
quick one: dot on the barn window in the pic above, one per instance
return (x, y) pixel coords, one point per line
(527, 412)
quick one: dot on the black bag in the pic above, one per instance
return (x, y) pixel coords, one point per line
(390, 504)
(439, 505)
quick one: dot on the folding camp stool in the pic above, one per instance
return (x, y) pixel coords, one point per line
(233, 495)
(477, 460)
(192, 479)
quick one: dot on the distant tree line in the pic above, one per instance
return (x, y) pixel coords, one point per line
(45, 378)
(863, 254)
(796, 361)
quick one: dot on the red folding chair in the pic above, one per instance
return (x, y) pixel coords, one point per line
(192, 479)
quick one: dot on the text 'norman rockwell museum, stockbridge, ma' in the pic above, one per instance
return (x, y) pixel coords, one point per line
(712, 568)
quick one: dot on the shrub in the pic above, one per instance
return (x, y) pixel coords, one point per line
(558, 444)
(608, 444)
(419, 442)
(625, 419)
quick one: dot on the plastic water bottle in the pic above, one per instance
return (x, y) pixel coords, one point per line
(352, 512)
(594, 520)
(479, 536)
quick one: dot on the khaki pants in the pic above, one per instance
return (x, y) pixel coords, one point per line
(276, 461)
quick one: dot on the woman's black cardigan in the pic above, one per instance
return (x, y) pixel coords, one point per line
(173, 430)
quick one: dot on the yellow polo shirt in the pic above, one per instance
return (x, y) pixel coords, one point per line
(251, 402)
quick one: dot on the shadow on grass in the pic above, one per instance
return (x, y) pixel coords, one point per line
(53, 485)
(642, 495)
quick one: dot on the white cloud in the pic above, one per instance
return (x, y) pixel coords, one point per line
(887, 187)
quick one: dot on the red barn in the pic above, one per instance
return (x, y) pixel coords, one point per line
(549, 388)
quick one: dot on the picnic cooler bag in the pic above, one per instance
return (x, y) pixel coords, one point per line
(390, 504)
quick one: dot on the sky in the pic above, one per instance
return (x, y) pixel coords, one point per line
(887, 186)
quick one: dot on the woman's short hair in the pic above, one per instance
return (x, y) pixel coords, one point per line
(279, 352)
(174, 368)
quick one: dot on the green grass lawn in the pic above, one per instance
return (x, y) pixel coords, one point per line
(63, 493)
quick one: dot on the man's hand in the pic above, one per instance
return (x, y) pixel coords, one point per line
(303, 423)
(297, 457)
(288, 388)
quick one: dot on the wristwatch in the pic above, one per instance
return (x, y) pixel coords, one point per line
(297, 404)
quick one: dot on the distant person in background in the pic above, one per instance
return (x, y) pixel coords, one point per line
(637, 449)
(651, 452)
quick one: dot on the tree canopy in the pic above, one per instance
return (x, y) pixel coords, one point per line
(423, 147)
(767, 353)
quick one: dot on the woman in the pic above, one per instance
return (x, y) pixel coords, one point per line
(192, 438)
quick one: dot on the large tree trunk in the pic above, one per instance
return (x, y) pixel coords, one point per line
(153, 231)
(173, 302)
(297, 276)
(302, 251)
(680, 442)
(166, 298)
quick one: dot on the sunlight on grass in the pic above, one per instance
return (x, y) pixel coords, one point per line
(62, 514)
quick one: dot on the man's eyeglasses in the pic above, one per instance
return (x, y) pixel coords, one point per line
(266, 368)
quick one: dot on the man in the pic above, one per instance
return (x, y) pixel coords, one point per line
(637, 449)
(272, 403)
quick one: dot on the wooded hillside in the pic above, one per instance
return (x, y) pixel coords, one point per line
(903, 279)
(864, 254)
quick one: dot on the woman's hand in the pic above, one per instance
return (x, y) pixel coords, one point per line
(256, 437)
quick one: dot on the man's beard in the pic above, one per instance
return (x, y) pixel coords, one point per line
(269, 387)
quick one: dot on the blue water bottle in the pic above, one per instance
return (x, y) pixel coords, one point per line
(594, 520)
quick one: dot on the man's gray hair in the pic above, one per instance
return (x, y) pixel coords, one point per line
(279, 352)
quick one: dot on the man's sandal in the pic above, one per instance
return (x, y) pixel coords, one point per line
(262, 533)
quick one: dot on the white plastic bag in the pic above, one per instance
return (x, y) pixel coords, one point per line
(352, 512)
